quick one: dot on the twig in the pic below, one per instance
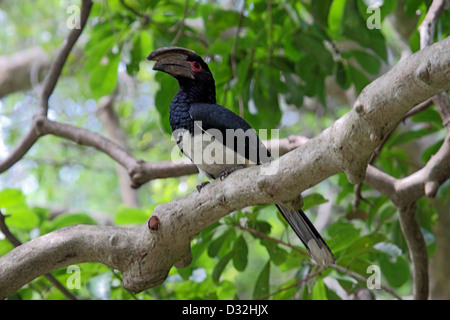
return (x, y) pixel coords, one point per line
(334, 266)
(419, 108)
(20, 150)
(58, 63)
(442, 103)
(296, 284)
(417, 250)
(363, 279)
(265, 236)
(181, 23)
(357, 189)
(233, 62)
(426, 29)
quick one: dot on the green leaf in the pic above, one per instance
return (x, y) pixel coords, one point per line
(359, 79)
(11, 197)
(292, 13)
(168, 89)
(411, 136)
(319, 291)
(335, 16)
(431, 150)
(103, 78)
(364, 244)
(368, 62)
(342, 235)
(97, 51)
(226, 290)
(262, 283)
(68, 219)
(277, 255)
(5, 247)
(130, 216)
(313, 200)
(355, 28)
(428, 116)
(294, 92)
(220, 266)
(240, 254)
(396, 272)
(12, 203)
(265, 96)
(217, 243)
(261, 226)
(388, 248)
(342, 77)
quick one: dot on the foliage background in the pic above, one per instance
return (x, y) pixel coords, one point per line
(292, 65)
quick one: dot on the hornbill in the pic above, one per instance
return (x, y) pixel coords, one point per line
(195, 114)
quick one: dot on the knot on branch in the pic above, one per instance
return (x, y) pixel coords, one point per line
(39, 125)
(423, 74)
(294, 204)
(137, 174)
(431, 188)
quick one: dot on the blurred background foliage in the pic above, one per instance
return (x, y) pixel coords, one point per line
(290, 65)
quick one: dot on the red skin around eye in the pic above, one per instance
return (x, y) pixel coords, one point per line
(196, 67)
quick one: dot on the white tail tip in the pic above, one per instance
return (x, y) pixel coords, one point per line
(321, 256)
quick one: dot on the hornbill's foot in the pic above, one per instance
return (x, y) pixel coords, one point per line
(201, 185)
(226, 172)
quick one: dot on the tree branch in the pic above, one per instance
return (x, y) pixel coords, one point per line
(15, 242)
(404, 193)
(417, 250)
(47, 88)
(22, 70)
(426, 29)
(146, 253)
(60, 59)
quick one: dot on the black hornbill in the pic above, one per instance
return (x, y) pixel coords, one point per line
(195, 114)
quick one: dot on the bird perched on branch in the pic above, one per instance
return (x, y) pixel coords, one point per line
(217, 140)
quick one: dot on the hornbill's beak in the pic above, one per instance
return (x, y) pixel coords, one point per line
(172, 60)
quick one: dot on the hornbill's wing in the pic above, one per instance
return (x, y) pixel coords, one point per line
(235, 132)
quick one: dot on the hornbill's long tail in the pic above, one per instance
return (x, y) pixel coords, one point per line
(308, 234)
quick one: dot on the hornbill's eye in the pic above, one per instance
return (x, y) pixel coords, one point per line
(196, 67)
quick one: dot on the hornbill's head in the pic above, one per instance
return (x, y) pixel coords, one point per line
(182, 64)
(192, 73)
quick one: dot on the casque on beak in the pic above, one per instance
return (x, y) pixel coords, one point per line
(172, 60)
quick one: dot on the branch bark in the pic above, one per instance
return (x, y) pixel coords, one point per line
(145, 254)
(22, 70)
